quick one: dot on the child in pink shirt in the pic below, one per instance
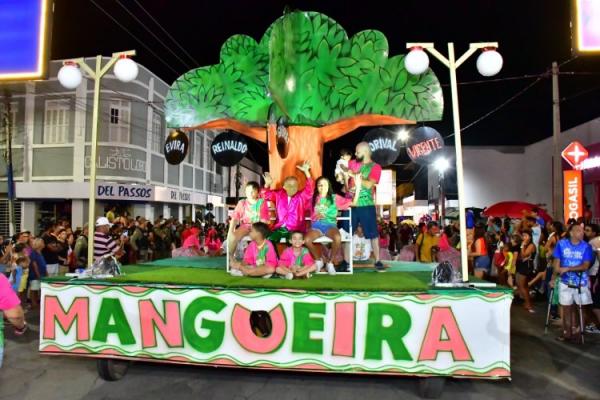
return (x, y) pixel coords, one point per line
(260, 258)
(296, 261)
(248, 211)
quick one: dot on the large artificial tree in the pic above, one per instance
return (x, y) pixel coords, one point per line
(304, 84)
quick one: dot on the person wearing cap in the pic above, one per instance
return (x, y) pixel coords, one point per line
(104, 244)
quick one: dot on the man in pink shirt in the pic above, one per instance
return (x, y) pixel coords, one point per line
(10, 305)
(290, 204)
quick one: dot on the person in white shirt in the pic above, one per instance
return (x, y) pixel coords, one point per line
(362, 245)
(592, 234)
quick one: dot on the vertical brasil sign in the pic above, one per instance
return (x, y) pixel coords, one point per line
(24, 39)
(573, 194)
(463, 334)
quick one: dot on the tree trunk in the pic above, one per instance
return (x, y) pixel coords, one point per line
(304, 143)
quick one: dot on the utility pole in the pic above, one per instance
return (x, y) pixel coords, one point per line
(557, 200)
(9, 169)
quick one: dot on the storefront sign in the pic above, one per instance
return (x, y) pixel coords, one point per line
(384, 145)
(118, 161)
(424, 145)
(586, 19)
(435, 334)
(589, 163)
(228, 148)
(573, 194)
(574, 154)
(117, 191)
(169, 195)
(176, 147)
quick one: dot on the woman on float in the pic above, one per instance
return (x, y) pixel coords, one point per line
(325, 206)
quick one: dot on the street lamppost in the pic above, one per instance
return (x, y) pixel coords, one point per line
(489, 63)
(441, 165)
(70, 77)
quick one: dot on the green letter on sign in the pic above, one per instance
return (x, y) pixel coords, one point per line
(392, 333)
(112, 309)
(216, 329)
(304, 324)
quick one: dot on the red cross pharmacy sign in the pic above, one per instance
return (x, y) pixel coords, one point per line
(574, 154)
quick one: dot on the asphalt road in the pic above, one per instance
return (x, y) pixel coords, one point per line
(542, 368)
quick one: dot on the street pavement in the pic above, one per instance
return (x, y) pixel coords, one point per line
(542, 368)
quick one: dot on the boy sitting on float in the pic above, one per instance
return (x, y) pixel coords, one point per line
(260, 259)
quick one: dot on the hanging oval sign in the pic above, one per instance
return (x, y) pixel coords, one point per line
(228, 148)
(176, 147)
(424, 145)
(384, 144)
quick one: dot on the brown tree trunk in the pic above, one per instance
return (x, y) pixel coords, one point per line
(304, 143)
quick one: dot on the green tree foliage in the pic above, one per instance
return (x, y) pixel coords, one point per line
(306, 66)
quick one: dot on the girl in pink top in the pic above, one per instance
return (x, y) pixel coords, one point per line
(296, 261)
(259, 258)
(248, 211)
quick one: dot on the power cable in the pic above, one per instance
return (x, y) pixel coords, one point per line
(153, 34)
(167, 33)
(136, 38)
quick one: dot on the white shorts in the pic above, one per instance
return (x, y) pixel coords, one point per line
(35, 284)
(568, 296)
(52, 269)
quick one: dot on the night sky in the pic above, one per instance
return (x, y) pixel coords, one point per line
(531, 35)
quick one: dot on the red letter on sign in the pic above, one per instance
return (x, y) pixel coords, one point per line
(54, 312)
(442, 320)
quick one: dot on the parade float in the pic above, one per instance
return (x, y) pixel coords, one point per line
(305, 83)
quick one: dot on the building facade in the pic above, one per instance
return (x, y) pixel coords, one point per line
(51, 129)
(524, 173)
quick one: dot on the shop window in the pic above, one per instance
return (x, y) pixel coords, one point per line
(56, 121)
(210, 162)
(119, 123)
(158, 132)
(199, 150)
(12, 118)
(190, 155)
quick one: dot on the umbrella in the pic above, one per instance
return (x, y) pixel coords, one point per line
(514, 209)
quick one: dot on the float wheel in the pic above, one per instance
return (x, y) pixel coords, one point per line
(432, 387)
(112, 370)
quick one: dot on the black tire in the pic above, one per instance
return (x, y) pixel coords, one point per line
(112, 370)
(431, 388)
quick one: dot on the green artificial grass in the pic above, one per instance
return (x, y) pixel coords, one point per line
(363, 281)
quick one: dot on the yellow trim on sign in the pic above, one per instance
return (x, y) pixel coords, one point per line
(579, 30)
(42, 51)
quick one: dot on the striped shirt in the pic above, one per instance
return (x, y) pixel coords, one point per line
(104, 245)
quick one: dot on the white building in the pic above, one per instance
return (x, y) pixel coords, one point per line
(524, 173)
(51, 145)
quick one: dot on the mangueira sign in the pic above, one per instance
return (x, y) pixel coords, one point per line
(379, 333)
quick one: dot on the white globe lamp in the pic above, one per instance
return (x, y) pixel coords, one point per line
(489, 62)
(69, 76)
(126, 70)
(416, 61)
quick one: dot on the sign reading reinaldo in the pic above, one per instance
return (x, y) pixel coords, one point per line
(573, 194)
(455, 335)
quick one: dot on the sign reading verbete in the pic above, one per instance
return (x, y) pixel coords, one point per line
(433, 334)
(424, 145)
(228, 148)
(176, 147)
(573, 194)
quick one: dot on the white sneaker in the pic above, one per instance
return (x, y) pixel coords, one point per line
(319, 263)
(268, 276)
(235, 272)
(592, 329)
(330, 269)
(289, 276)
